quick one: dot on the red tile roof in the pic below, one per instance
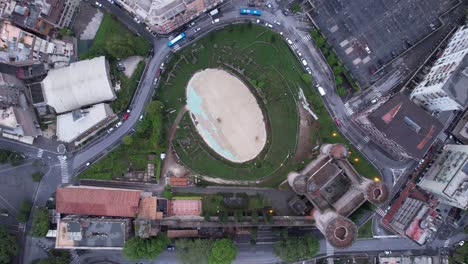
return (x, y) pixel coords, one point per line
(97, 201)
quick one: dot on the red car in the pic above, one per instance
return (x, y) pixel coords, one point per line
(158, 72)
(125, 116)
(338, 122)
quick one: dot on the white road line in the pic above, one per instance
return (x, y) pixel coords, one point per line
(380, 212)
(330, 249)
(359, 147)
(40, 153)
(366, 139)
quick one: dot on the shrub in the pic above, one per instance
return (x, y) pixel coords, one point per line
(37, 176)
(40, 224)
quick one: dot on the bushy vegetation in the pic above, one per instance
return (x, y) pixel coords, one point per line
(223, 251)
(294, 249)
(37, 176)
(113, 40)
(146, 140)
(24, 211)
(137, 248)
(14, 158)
(335, 63)
(460, 255)
(8, 246)
(128, 87)
(40, 224)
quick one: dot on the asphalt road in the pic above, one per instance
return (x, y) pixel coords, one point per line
(321, 75)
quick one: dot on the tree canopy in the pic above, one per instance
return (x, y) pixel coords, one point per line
(296, 249)
(25, 209)
(193, 251)
(222, 252)
(40, 224)
(8, 246)
(138, 248)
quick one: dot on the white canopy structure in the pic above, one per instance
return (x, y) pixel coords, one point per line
(81, 84)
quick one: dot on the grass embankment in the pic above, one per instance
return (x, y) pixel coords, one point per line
(113, 40)
(133, 153)
(365, 231)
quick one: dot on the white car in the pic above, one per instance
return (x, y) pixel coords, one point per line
(269, 25)
(258, 21)
(162, 66)
(461, 243)
(289, 41)
(110, 130)
(269, 5)
(111, 1)
(281, 33)
(118, 124)
(215, 21)
(141, 118)
(196, 30)
(155, 81)
(98, 4)
(277, 22)
(137, 20)
(304, 62)
(192, 24)
(299, 54)
(387, 252)
(87, 164)
(367, 49)
(320, 90)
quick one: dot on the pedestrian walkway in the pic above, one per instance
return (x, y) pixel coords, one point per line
(330, 249)
(380, 211)
(176, 48)
(306, 38)
(366, 139)
(349, 111)
(447, 243)
(74, 256)
(40, 153)
(64, 169)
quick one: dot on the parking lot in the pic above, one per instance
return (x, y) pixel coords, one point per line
(368, 34)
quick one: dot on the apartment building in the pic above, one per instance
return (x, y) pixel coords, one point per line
(445, 87)
(164, 16)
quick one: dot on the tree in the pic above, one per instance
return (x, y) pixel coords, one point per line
(8, 246)
(337, 70)
(332, 59)
(127, 140)
(460, 255)
(222, 252)
(25, 209)
(40, 224)
(167, 193)
(223, 217)
(37, 176)
(272, 38)
(341, 91)
(57, 257)
(255, 216)
(295, 8)
(296, 249)
(194, 251)
(338, 80)
(137, 248)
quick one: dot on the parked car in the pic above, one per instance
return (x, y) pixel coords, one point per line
(141, 118)
(125, 116)
(268, 5)
(129, 110)
(170, 248)
(110, 130)
(285, 12)
(338, 122)
(277, 22)
(258, 21)
(98, 4)
(215, 21)
(155, 81)
(87, 164)
(269, 25)
(158, 72)
(118, 124)
(320, 90)
(111, 1)
(196, 30)
(137, 20)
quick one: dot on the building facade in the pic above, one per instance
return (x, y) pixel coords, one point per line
(447, 176)
(445, 87)
(164, 16)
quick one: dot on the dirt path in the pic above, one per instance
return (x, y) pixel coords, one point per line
(170, 165)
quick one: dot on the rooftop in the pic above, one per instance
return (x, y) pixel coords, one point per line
(72, 125)
(456, 85)
(184, 207)
(81, 84)
(97, 201)
(91, 233)
(407, 124)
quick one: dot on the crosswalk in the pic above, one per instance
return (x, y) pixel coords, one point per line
(40, 153)
(74, 256)
(359, 147)
(330, 249)
(349, 110)
(447, 243)
(306, 38)
(176, 48)
(380, 211)
(64, 169)
(366, 139)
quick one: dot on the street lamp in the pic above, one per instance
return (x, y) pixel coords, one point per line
(334, 134)
(376, 179)
(356, 159)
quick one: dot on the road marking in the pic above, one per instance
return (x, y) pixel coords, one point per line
(330, 249)
(74, 256)
(64, 169)
(40, 153)
(359, 147)
(306, 38)
(380, 212)
(349, 111)
(366, 139)
(176, 48)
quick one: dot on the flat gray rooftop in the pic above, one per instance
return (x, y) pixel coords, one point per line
(98, 233)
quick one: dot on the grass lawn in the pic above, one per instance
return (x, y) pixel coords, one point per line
(366, 230)
(133, 156)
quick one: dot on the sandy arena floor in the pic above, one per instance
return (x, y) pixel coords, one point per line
(226, 115)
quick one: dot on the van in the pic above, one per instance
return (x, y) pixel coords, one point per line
(304, 62)
(320, 90)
